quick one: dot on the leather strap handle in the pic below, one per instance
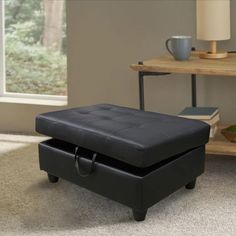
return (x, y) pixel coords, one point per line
(77, 164)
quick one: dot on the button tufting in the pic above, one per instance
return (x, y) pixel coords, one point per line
(83, 112)
(106, 118)
(106, 108)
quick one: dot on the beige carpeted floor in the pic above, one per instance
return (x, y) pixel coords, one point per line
(29, 205)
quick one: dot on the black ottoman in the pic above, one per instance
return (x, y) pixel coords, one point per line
(134, 157)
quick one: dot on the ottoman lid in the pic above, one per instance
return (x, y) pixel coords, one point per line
(135, 137)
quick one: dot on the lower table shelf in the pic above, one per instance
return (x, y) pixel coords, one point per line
(219, 145)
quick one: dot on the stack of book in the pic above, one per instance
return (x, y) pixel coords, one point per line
(210, 115)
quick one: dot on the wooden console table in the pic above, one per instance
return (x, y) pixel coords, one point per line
(194, 66)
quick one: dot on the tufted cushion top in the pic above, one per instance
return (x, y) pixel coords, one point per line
(135, 137)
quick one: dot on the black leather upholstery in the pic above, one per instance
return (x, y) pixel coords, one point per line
(138, 188)
(138, 138)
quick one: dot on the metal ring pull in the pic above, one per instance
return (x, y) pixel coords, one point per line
(77, 166)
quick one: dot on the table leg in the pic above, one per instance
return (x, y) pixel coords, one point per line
(141, 91)
(194, 91)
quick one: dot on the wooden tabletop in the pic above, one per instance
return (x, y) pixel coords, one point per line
(195, 65)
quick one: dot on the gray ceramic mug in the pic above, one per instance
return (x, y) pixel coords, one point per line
(181, 47)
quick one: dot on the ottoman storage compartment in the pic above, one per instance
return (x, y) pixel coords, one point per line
(139, 175)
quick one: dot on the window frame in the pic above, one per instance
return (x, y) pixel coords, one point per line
(2, 50)
(3, 92)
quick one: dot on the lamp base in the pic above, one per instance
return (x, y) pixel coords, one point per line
(210, 55)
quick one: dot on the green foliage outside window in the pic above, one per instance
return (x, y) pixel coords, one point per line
(30, 66)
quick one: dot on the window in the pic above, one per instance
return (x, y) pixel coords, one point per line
(33, 49)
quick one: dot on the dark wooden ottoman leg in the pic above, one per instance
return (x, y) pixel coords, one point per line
(191, 185)
(139, 215)
(52, 178)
